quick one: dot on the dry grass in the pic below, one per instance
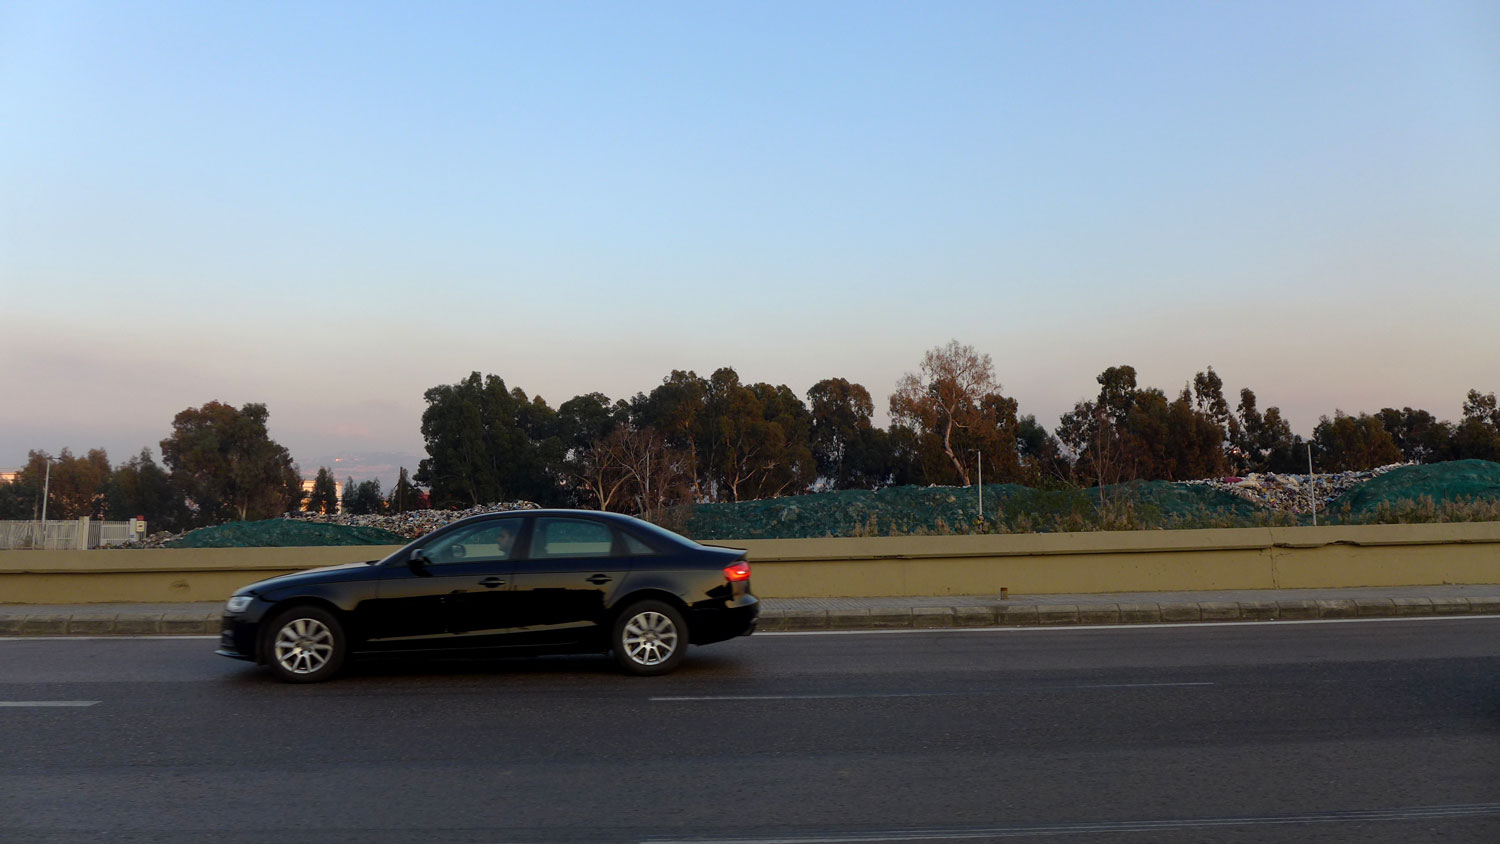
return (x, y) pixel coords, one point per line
(1424, 510)
(1124, 514)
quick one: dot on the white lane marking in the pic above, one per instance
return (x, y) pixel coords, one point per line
(1168, 625)
(1136, 685)
(976, 692)
(1357, 816)
(168, 636)
(46, 703)
(1035, 628)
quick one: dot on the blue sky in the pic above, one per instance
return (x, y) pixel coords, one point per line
(330, 207)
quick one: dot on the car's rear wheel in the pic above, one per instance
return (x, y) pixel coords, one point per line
(649, 638)
(305, 645)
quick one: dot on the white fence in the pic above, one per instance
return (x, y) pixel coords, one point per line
(72, 534)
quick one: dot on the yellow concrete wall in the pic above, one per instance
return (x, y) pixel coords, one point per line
(167, 574)
(1096, 572)
(1388, 555)
(1131, 561)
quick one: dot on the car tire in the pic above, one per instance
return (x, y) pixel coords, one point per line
(305, 645)
(649, 638)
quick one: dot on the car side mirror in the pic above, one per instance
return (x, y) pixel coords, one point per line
(417, 559)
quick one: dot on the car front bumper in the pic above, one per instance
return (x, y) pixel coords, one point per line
(237, 636)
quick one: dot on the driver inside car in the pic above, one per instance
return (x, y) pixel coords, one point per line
(505, 539)
(489, 542)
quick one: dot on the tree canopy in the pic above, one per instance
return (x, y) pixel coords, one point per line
(74, 486)
(324, 497)
(228, 466)
(694, 439)
(953, 401)
(139, 487)
(487, 443)
(404, 496)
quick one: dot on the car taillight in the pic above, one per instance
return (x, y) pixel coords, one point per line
(737, 572)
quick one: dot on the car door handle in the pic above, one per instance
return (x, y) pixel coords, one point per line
(600, 578)
(492, 582)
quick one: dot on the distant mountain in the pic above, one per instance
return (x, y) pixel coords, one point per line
(385, 465)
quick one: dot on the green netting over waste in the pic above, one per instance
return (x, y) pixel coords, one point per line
(276, 533)
(902, 509)
(1182, 505)
(1007, 507)
(917, 510)
(1441, 482)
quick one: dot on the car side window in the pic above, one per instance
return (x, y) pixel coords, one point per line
(636, 548)
(485, 542)
(552, 538)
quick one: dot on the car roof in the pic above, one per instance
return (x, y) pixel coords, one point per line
(637, 525)
(559, 511)
(593, 514)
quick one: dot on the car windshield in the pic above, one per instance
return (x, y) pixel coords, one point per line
(401, 553)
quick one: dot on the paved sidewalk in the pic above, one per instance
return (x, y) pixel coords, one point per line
(1126, 608)
(790, 614)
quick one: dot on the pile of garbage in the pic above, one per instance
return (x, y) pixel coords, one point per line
(281, 533)
(154, 540)
(312, 529)
(412, 523)
(1292, 493)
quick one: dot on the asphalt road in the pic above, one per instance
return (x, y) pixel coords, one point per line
(1331, 732)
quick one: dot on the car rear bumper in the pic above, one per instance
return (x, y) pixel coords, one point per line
(725, 622)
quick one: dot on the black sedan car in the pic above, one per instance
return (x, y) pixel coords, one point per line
(528, 581)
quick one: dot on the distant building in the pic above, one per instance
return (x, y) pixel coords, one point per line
(8, 476)
(338, 493)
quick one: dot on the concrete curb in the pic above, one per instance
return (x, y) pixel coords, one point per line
(40, 621)
(1061, 615)
(123, 623)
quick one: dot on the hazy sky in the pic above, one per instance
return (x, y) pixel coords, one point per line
(330, 207)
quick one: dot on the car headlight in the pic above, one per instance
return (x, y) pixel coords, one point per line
(238, 603)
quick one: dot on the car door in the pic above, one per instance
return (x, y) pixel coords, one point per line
(570, 573)
(458, 594)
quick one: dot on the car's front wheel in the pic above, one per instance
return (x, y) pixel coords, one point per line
(649, 638)
(305, 645)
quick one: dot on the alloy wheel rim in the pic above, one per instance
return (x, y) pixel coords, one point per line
(650, 638)
(304, 645)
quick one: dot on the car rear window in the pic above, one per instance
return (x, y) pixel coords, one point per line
(636, 548)
(669, 539)
(553, 538)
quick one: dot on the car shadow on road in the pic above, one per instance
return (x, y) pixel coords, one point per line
(699, 665)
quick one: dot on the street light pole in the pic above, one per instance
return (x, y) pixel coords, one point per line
(46, 486)
(1312, 485)
(46, 489)
(979, 464)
